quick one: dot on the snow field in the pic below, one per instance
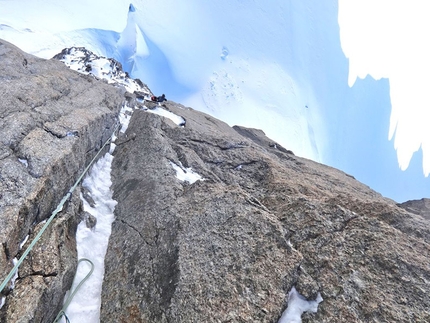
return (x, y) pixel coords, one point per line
(279, 66)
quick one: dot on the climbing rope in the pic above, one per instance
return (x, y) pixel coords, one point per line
(71, 295)
(57, 210)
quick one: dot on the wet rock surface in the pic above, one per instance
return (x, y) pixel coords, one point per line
(52, 123)
(230, 247)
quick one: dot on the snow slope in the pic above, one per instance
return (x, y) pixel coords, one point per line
(229, 75)
(277, 66)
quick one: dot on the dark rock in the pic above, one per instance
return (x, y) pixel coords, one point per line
(151, 104)
(52, 123)
(259, 137)
(420, 207)
(89, 219)
(48, 271)
(229, 248)
(87, 196)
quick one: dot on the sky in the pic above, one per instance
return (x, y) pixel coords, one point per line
(341, 82)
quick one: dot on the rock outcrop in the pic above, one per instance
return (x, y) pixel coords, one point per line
(213, 223)
(52, 123)
(420, 207)
(229, 248)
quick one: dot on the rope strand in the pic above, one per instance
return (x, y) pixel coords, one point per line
(56, 211)
(70, 297)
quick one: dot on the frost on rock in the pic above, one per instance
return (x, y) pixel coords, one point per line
(297, 305)
(23, 161)
(23, 242)
(15, 276)
(186, 174)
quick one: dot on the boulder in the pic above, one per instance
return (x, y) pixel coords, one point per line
(52, 123)
(229, 247)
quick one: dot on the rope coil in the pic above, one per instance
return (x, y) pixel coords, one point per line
(72, 294)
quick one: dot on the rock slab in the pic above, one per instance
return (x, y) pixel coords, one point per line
(230, 247)
(52, 123)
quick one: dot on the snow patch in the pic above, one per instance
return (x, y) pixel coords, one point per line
(72, 133)
(297, 305)
(23, 242)
(112, 148)
(167, 114)
(186, 174)
(12, 282)
(125, 117)
(92, 244)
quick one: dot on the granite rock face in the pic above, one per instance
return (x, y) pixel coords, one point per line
(213, 223)
(52, 123)
(420, 207)
(229, 248)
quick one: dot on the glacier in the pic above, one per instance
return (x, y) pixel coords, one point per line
(283, 67)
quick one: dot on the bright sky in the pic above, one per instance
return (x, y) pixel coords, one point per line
(390, 39)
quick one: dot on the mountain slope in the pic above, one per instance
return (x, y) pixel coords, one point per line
(52, 123)
(230, 246)
(212, 222)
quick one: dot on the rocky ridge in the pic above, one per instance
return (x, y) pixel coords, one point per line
(420, 207)
(227, 247)
(53, 121)
(230, 247)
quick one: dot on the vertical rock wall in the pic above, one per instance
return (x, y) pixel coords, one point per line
(52, 123)
(230, 247)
